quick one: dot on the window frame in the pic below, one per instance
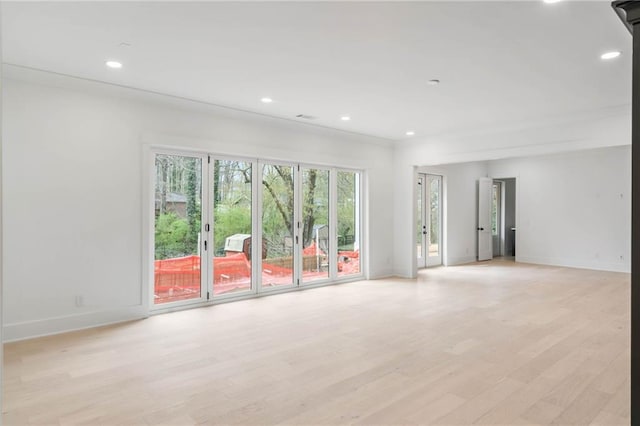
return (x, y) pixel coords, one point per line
(148, 243)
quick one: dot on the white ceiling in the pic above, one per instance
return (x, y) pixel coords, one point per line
(499, 62)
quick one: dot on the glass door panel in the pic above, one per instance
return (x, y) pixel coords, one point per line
(278, 232)
(434, 195)
(348, 226)
(315, 225)
(496, 217)
(421, 227)
(177, 236)
(232, 233)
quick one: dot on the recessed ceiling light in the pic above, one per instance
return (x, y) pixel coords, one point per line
(113, 64)
(610, 55)
(411, 133)
(266, 100)
(433, 82)
(345, 118)
(552, 1)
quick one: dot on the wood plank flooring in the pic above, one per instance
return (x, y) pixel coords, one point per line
(495, 343)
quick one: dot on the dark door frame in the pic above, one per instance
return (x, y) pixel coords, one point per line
(629, 12)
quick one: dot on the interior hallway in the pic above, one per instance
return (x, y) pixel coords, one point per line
(489, 343)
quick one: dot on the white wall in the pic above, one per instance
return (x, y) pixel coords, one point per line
(573, 209)
(73, 178)
(609, 127)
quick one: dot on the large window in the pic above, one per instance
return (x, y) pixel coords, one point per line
(229, 227)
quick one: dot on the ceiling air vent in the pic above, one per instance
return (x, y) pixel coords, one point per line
(306, 117)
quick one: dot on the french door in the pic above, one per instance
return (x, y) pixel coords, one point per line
(179, 271)
(429, 220)
(229, 227)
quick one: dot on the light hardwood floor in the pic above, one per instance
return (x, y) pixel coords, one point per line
(489, 343)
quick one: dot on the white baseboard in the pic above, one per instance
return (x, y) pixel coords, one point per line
(460, 260)
(29, 329)
(385, 273)
(398, 274)
(577, 263)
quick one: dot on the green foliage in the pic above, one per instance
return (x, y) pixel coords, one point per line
(171, 237)
(277, 209)
(315, 187)
(230, 220)
(177, 232)
(346, 210)
(435, 219)
(177, 236)
(231, 200)
(193, 204)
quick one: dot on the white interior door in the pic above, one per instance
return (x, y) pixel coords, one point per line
(485, 239)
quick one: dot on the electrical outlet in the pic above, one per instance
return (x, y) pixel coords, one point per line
(79, 300)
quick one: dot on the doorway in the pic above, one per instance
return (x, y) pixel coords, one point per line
(429, 220)
(496, 218)
(508, 219)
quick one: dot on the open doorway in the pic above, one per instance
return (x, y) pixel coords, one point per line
(496, 218)
(503, 217)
